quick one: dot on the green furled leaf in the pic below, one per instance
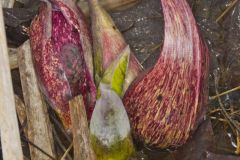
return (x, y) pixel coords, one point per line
(110, 127)
(115, 74)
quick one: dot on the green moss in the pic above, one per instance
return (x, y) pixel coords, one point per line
(121, 150)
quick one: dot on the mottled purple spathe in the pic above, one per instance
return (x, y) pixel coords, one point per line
(167, 103)
(62, 54)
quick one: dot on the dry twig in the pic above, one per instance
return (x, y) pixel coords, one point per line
(60, 144)
(67, 151)
(21, 112)
(231, 122)
(7, 3)
(224, 93)
(238, 144)
(39, 127)
(60, 127)
(13, 59)
(81, 138)
(227, 10)
(10, 138)
(37, 147)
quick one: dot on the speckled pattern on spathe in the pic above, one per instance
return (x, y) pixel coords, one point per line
(59, 60)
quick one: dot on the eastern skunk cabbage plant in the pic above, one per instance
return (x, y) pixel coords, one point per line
(109, 126)
(62, 56)
(108, 43)
(115, 69)
(167, 103)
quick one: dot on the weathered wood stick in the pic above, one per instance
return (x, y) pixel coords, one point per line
(21, 112)
(7, 3)
(13, 58)
(9, 130)
(108, 4)
(81, 139)
(39, 127)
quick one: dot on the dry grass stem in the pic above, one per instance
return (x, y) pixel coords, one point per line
(81, 135)
(227, 10)
(224, 93)
(67, 152)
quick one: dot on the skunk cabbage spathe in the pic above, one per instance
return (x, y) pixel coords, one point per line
(110, 127)
(108, 44)
(167, 103)
(62, 56)
(115, 69)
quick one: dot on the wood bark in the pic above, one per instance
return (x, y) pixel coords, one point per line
(9, 130)
(81, 139)
(39, 127)
(13, 58)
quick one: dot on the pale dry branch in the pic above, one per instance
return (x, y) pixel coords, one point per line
(10, 138)
(21, 112)
(81, 138)
(7, 3)
(39, 127)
